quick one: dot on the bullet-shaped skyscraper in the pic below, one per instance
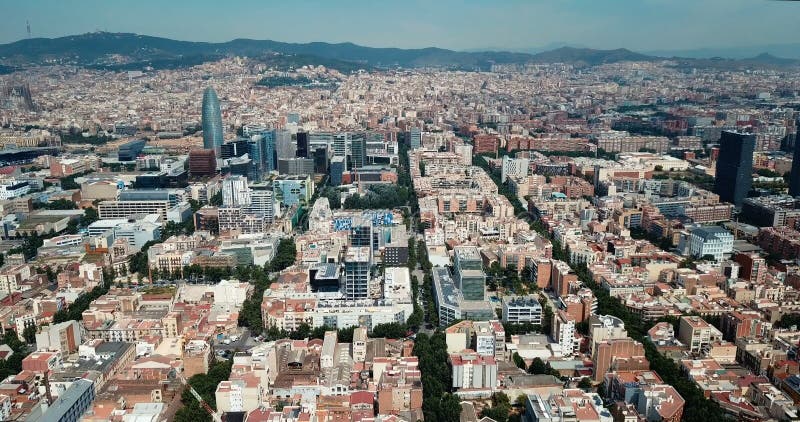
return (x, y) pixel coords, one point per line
(734, 167)
(212, 120)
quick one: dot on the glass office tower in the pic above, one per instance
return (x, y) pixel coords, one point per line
(734, 175)
(212, 120)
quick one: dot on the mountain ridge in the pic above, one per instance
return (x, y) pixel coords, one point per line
(122, 51)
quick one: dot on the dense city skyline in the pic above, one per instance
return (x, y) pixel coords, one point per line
(269, 231)
(647, 26)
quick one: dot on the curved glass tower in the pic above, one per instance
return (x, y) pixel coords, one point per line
(212, 120)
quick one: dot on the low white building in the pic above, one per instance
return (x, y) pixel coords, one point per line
(472, 371)
(714, 241)
(521, 309)
(12, 188)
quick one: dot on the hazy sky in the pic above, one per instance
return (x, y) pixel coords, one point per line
(468, 24)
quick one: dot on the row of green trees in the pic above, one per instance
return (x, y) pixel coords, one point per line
(379, 197)
(698, 407)
(333, 196)
(58, 204)
(392, 330)
(502, 189)
(431, 314)
(75, 310)
(12, 365)
(250, 314)
(501, 408)
(285, 255)
(177, 229)
(206, 386)
(68, 182)
(438, 403)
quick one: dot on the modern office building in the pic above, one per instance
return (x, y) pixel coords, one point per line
(211, 120)
(522, 309)
(395, 250)
(295, 166)
(302, 145)
(356, 273)
(139, 232)
(337, 170)
(270, 153)
(202, 163)
(358, 151)
(340, 144)
(256, 148)
(361, 234)
(11, 188)
(415, 137)
(451, 305)
(794, 180)
(125, 209)
(165, 179)
(284, 145)
(734, 175)
(292, 190)
(468, 271)
(712, 240)
(234, 148)
(321, 162)
(172, 196)
(130, 150)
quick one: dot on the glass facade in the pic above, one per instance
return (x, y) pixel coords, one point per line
(212, 120)
(270, 154)
(469, 275)
(734, 167)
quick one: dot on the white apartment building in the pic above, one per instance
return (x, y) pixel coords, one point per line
(239, 394)
(521, 309)
(714, 241)
(235, 192)
(472, 371)
(564, 333)
(514, 167)
(11, 188)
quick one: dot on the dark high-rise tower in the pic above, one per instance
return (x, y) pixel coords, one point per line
(794, 179)
(212, 120)
(302, 144)
(734, 167)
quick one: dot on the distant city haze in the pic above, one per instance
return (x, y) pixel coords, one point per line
(656, 26)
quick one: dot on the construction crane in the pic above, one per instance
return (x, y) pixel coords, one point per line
(214, 415)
